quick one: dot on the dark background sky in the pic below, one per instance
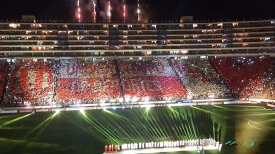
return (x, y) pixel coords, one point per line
(156, 10)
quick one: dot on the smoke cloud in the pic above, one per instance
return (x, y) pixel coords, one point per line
(105, 7)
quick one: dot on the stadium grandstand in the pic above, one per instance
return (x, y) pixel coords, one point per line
(45, 63)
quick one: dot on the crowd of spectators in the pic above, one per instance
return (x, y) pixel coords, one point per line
(62, 81)
(200, 79)
(3, 74)
(29, 81)
(76, 81)
(246, 76)
(92, 81)
(150, 80)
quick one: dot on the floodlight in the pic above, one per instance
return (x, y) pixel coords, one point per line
(146, 99)
(127, 98)
(102, 101)
(81, 110)
(134, 99)
(120, 100)
(57, 111)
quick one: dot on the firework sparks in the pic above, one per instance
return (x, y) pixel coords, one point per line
(109, 11)
(78, 11)
(94, 13)
(124, 12)
(138, 10)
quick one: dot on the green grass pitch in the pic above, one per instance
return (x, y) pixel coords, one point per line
(90, 131)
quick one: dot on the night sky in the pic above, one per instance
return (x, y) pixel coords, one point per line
(154, 10)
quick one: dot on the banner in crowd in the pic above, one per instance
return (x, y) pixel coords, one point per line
(86, 80)
(64, 80)
(31, 81)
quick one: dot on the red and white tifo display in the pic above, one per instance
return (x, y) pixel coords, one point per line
(90, 81)
(167, 146)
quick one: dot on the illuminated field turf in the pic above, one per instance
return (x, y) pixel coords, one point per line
(89, 131)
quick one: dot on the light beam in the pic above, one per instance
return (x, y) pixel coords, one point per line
(14, 120)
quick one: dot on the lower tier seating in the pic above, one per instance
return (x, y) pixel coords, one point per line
(3, 75)
(153, 88)
(246, 76)
(200, 78)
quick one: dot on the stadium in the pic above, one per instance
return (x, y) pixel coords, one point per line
(137, 87)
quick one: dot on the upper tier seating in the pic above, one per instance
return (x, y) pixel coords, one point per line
(200, 78)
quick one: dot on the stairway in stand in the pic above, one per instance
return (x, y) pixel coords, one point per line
(119, 77)
(176, 73)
